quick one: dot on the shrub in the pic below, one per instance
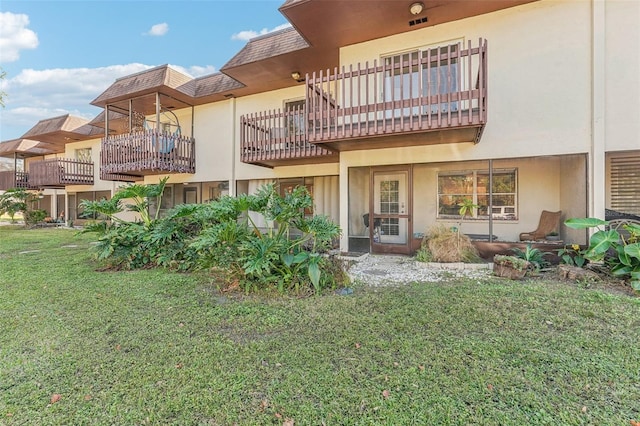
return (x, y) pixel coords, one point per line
(424, 255)
(514, 262)
(222, 234)
(621, 256)
(448, 246)
(532, 255)
(572, 255)
(33, 217)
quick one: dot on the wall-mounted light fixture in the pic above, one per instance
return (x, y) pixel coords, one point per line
(297, 76)
(416, 8)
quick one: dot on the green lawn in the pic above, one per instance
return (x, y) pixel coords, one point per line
(156, 347)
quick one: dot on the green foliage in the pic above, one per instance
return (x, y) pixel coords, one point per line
(457, 352)
(280, 256)
(467, 207)
(572, 255)
(424, 255)
(13, 201)
(511, 261)
(18, 200)
(103, 207)
(621, 256)
(33, 217)
(532, 255)
(218, 246)
(222, 234)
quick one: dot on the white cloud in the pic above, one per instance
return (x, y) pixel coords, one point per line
(195, 70)
(158, 29)
(15, 36)
(34, 95)
(247, 35)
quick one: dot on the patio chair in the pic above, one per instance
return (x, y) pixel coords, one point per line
(549, 222)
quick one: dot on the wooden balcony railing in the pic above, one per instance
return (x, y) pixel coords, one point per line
(146, 153)
(58, 172)
(439, 92)
(279, 137)
(11, 179)
(437, 89)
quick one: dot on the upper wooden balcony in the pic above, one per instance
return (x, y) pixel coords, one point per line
(60, 172)
(147, 152)
(278, 138)
(12, 179)
(422, 97)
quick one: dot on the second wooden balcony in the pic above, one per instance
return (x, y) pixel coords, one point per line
(148, 152)
(279, 137)
(423, 97)
(12, 179)
(60, 172)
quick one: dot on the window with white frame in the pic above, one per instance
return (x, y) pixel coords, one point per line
(84, 155)
(294, 118)
(427, 72)
(454, 188)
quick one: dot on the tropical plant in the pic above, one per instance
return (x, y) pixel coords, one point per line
(277, 256)
(621, 256)
(222, 235)
(534, 256)
(139, 194)
(33, 217)
(467, 206)
(572, 255)
(13, 201)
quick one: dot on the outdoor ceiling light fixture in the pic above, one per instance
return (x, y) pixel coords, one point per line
(416, 8)
(296, 76)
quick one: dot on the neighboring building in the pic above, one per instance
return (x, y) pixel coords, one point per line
(394, 112)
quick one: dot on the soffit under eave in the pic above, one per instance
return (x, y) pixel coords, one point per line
(352, 22)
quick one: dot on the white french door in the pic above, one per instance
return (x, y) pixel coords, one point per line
(391, 211)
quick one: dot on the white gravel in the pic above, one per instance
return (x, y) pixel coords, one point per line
(385, 270)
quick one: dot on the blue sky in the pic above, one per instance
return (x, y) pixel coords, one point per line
(60, 55)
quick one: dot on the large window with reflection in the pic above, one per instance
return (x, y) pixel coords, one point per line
(456, 188)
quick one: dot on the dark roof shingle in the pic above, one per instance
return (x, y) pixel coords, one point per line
(269, 45)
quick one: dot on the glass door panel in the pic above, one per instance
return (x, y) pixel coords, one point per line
(390, 208)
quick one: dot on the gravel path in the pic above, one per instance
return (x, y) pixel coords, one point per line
(378, 271)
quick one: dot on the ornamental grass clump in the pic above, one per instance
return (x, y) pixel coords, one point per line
(449, 246)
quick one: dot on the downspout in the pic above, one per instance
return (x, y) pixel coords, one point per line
(597, 172)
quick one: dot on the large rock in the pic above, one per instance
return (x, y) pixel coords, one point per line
(574, 273)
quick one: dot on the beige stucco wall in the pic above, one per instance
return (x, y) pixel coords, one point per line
(261, 102)
(622, 89)
(98, 185)
(538, 77)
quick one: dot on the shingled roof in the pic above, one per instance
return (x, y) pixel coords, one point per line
(63, 123)
(267, 46)
(148, 81)
(24, 147)
(215, 83)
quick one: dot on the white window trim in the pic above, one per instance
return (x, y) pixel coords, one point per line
(475, 173)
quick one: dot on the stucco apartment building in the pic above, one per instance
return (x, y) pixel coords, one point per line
(390, 112)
